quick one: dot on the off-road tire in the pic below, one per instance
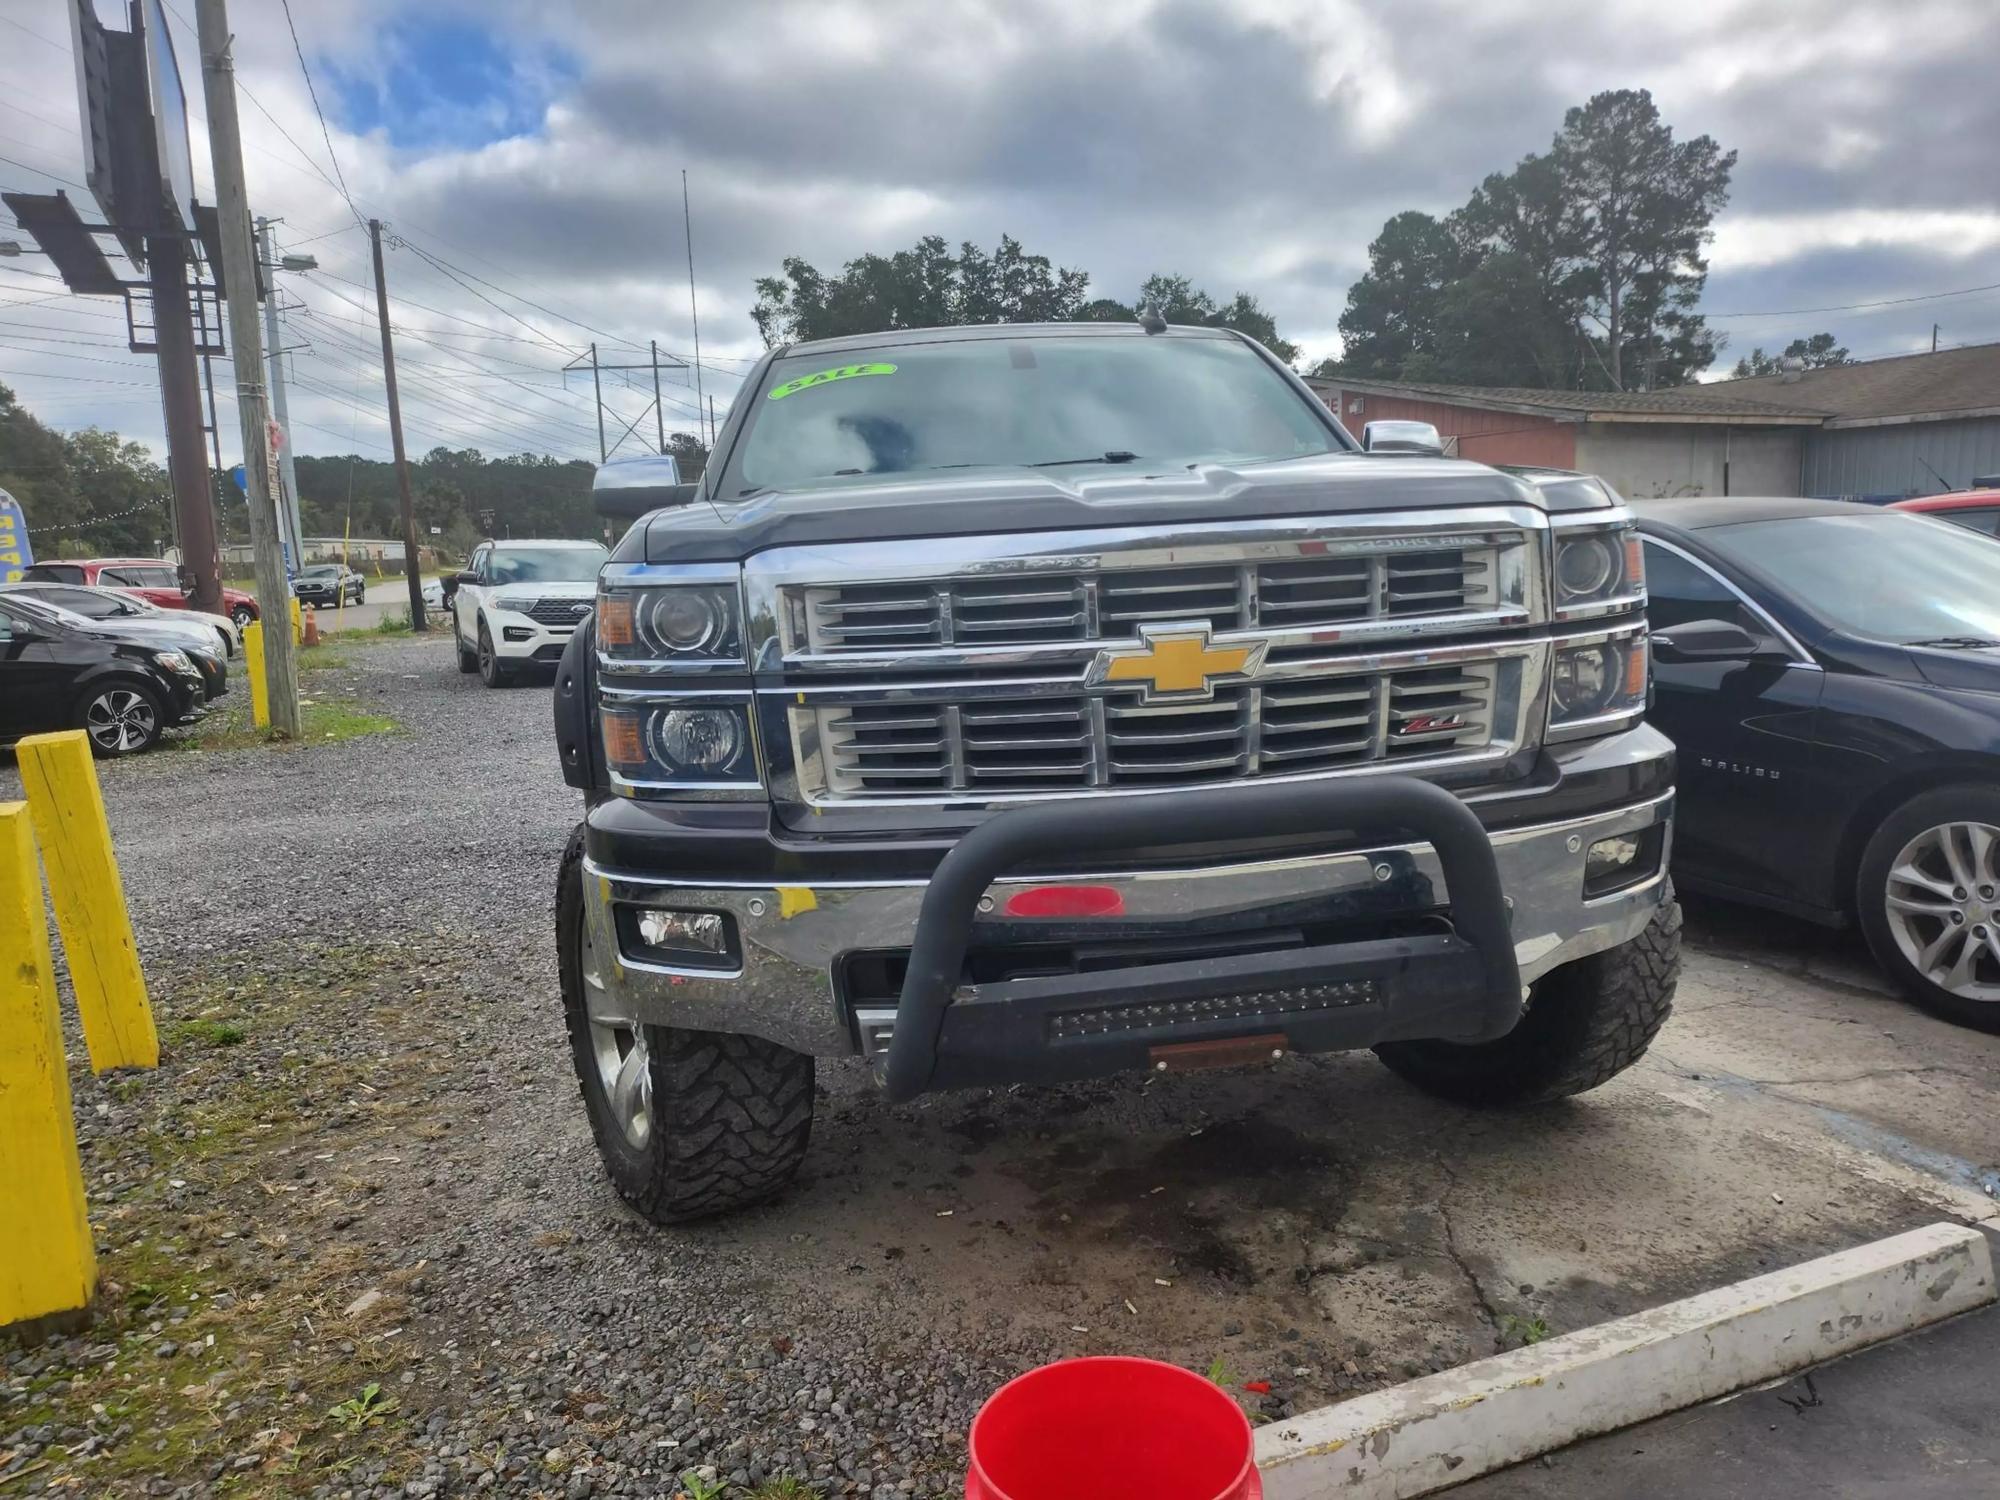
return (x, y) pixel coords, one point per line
(1946, 804)
(1586, 1022)
(732, 1115)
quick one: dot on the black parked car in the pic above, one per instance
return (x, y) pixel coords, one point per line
(1831, 676)
(58, 671)
(329, 585)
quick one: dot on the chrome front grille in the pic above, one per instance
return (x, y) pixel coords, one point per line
(945, 742)
(1057, 605)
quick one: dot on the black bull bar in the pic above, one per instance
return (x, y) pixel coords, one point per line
(1462, 982)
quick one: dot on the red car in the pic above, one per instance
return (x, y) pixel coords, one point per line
(1977, 509)
(150, 578)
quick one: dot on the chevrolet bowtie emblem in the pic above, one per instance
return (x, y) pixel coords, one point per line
(1175, 661)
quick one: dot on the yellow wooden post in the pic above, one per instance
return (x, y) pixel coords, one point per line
(253, 669)
(89, 898)
(298, 622)
(47, 1262)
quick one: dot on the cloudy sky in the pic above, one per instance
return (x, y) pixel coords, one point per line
(527, 158)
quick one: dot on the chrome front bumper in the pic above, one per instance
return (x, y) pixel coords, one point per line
(792, 936)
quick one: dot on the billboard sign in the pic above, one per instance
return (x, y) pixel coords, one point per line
(16, 556)
(170, 119)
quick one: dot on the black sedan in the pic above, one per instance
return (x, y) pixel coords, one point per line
(330, 585)
(58, 671)
(1831, 676)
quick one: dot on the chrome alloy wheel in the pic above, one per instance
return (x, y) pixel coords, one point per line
(1943, 906)
(119, 720)
(618, 1042)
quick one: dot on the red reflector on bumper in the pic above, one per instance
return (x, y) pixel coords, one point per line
(1066, 901)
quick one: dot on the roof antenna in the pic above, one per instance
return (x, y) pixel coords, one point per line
(1151, 318)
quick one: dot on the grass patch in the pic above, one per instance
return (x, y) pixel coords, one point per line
(205, 1032)
(323, 719)
(393, 622)
(785, 1487)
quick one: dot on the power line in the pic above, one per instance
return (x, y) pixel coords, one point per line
(43, 171)
(1799, 312)
(324, 133)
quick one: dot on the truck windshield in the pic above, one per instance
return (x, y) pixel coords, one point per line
(546, 564)
(1037, 400)
(1887, 577)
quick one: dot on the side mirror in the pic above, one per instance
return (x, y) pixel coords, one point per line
(631, 502)
(1415, 438)
(1709, 640)
(456, 579)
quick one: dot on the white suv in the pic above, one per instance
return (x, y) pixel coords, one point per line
(518, 603)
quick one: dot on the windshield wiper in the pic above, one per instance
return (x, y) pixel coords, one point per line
(1114, 456)
(1958, 642)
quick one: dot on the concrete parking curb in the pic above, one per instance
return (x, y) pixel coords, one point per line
(1444, 1429)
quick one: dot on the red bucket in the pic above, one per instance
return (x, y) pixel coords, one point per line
(1111, 1428)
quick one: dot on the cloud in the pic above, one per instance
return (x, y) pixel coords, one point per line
(1254, 145)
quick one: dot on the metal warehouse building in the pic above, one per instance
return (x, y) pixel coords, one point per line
(1884, 429)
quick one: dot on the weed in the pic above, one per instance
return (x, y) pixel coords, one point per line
(393, 622)
(365, 1410)
(784, 1487)
(207, 1032)
(1221, 1374)
(1522, 1330)
(323, 719)
(694, 1487)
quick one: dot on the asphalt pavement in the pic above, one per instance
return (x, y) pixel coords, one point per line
(1916, 1419)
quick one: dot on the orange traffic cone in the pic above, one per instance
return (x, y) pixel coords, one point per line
(312, 626)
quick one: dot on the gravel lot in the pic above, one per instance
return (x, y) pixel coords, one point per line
(363, 1160)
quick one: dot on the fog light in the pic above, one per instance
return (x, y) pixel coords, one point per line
(1621, 860)
(516, 633)
(684, 931)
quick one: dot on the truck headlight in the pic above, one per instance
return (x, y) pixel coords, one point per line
(1597, 680)
(674, 623)
(1598, 569)
(672, 744)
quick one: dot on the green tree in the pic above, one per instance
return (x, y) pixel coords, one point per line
(925, 286)
(1392, 312)
(1640, 205)
(1813, 353)
(1581, 266)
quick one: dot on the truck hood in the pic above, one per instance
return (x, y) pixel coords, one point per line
(986, 501)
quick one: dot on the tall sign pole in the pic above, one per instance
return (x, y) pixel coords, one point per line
(239, 275)
(180, 403)
(287, 470)
(415, 578)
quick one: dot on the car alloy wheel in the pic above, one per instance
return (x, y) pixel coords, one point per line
(242, 616)
(624, 1061)
(1942, 902)
(120, 720)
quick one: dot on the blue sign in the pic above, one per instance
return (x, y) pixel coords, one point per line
(242, 479)
(15, 553)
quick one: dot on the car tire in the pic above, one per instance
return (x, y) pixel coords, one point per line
(1914, 839)
(1586, 1022)
(726, 1118)
(244, 616)
(494, 672)
(121, 717)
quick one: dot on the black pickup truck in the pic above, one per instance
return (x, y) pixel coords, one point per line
(1034, 702)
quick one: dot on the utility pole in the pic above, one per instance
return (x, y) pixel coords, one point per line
(711, 421)
(417, 621)
(694, 314)
(1934, 334)
(287, 470)
(180, 400)
(659, 420)
(239, 270)
(597, 390)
